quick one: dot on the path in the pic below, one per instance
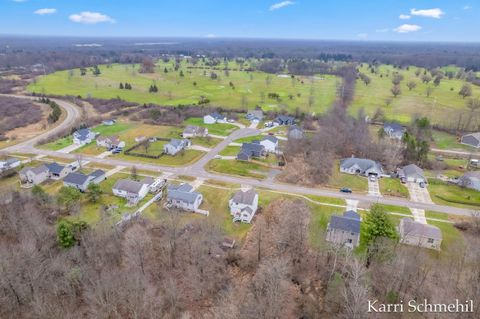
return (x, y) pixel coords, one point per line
(419, 194)
(374, 188)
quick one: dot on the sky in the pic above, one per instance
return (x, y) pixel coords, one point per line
(365, 20)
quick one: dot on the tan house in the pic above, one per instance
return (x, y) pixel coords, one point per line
(34, 175)
(418, 234)
(344, 230)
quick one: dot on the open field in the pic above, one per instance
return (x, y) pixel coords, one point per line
(392, 187)
(447, 141)
(251, 88)
(222, 129)
(452, 195)
(441, 106)
(184, 158)
(245, 169)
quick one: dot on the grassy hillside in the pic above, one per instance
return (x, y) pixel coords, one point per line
(250, 88)
(441, 106)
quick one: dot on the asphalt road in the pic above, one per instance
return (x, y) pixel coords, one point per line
(197, 169)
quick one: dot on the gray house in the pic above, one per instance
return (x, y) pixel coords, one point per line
(184, 197)
(394, 130)
(250, 150)
(194, 131)
(132, 191)
(175, 146)
(418, 234)
(471, 139)
(34, 175)
(285, 120)
(81, 181)
(344, 230)
(295, 132)
(470, 180)
(412, 173)
(360, 166)
(254, 115)
(57, 171)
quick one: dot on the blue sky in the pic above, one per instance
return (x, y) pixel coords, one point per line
(396, 20)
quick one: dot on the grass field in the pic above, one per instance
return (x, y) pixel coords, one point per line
(392, 187)
(354, 182)
(230, 151)
(447, 141)
(250, 88)
(222, 129)
(452, 195)
(245, 169)
(185, 158)
(441, 106)
(58, 144)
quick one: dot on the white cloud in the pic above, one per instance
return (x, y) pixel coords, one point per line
(467, 7)
(404, 17)
(88, 17)
(45, 11)
(210, 36)
(436, 13)
(362, 36)
(280, 5)
(384, 30)
(407, 28)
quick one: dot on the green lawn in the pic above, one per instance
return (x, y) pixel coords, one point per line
(184, 158)
(447, 141)
(115, 129)
(91, 149)
(58, 144)
(250, 88)
(249, 139)
(230, 151)
(443, 104)
(222, 129)
(319, 219)
(340, 180)
(205, 141)
(447, 194)
(392, 187)
(436, 215)
(240, 168)
(396, 209)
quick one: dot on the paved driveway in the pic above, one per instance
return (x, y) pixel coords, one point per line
(374, 188)
(421, 195)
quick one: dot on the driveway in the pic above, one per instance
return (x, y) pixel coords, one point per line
(374, 188)
(421, 195)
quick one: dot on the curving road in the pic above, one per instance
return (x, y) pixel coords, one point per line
(197, 169)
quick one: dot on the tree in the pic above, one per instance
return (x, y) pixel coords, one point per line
(94, 193)
(39, 193)
(121, 86)
(465, 91)
(165, 70)
(134, 173)
(147, 66)
(181, 73)
(437, 80)
(68, 232)
(68, 196)
(411, 85)
(377, 224)
(96, 70)
(146, 146)
(396, 90)
(426, 78)
(428, 91)
(397, 78)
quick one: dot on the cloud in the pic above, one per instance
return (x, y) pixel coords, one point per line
(45, 11)
(280, 5)
(429, 13)
(87, 17)
(407, 28)
(467, 7)
(404, 17)
(362, 36)
(384, 30)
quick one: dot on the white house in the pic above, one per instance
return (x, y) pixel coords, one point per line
(34, 175)
(175, 146)
(133, 191)
(360, 166)
(9, 163)
(243, 205)
(194, 131)
(270, 143)
(394, 130)
(213, 118)
(109, 142)
(183, 197)
(83, 136)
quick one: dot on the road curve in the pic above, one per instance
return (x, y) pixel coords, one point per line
(73, 113)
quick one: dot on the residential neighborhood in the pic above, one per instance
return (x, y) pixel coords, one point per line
(361, 166)
(183, 197)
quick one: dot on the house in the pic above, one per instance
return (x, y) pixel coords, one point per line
(418, 234)
(360, 166)
(269, 142)
(250, 150)
(140, 139)
(175, 146)
(394, 130)
(243, 205)
(83, 136)
(254, 115)
(184, 197)
(470, 180)
(57, 171)
(472, 139)
(157, 185)
(110, 142)
(34, 175)
(131, 190)
(344, 230)
(295, 132)
(213, 118)
(412, 173)
(285, 120)
(81, 181)
(147, 181)
(194, 131)
(109, 122)
(9, 163)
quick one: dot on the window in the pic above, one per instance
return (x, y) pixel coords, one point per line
(349, 241)
(430, 240)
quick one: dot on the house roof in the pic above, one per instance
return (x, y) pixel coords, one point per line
(217, 116)
(183, 192)
(35, 170)
(192, 129)
(11, 160)
(393, 126)
(55, 168)
(128, 185)
(244, 156)
(110, 139)
(473, 175)
(270, 138)
(82, 133)
(251, 148)
(350, 222)
(363, 163)
(147, 180)
(412, 170)
(175, 142)
(76, 178)
(246, 197)
(97, 173)
(285, 118)
(413, 228)
(255, 114)
(474, 135)
(294, 128)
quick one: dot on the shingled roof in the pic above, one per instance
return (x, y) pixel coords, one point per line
(350, 222)
(244, 197)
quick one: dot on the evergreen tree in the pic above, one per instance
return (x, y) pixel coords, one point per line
(181, 73)
(65, 235)
(94, 193)
(96, 70)
(165, 70)
(121, 86)
(377, 224)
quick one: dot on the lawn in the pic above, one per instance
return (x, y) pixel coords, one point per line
(91, 149)
(396, 209)
(115, 129)
(184, 158)
(453, 195)
(444, 103)
(249, 88)
(58, 144)
(354, 182)
(392, 187)
(222, 129)
(445, 141)
(249, 139)
(230, 151)
(319, 219)
(436, 215)
(205, 141)
(240, 168)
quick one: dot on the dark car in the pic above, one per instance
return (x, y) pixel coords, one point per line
(346, 190)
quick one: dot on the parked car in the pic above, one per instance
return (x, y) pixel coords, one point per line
(421, 184)
(345, 190)
(372, 178)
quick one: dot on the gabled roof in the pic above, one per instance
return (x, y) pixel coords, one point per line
(412, 170)
(252, 148)
(82, 133)
(363, 163)
(182, 193)
(175, 142)
(217, 116)
(55, 168)
(285, 118)
(76, 178)
(35, 170)
(349, 222)
(147, 180)
(246, 197)
(416, 229)
(394, 126)
(474, 135)
(270, 138)
(110, 139)
(128, 185)
(294, 128)
(97, 173)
